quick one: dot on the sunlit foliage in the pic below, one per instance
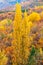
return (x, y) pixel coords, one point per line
(22, 39)
(3, 58)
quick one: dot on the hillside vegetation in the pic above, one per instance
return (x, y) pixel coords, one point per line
(21, 39)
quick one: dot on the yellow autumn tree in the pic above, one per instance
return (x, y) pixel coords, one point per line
(25, 31)
(21, 41)
(34, 16)
(17, 33)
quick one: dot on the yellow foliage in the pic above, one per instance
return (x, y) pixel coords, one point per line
(34, 17)
(2, 28)
(22, 38)
(41, 52)
(21, 42)
(41, 14)
(3, 58)
(18, 13)
(3, 22)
